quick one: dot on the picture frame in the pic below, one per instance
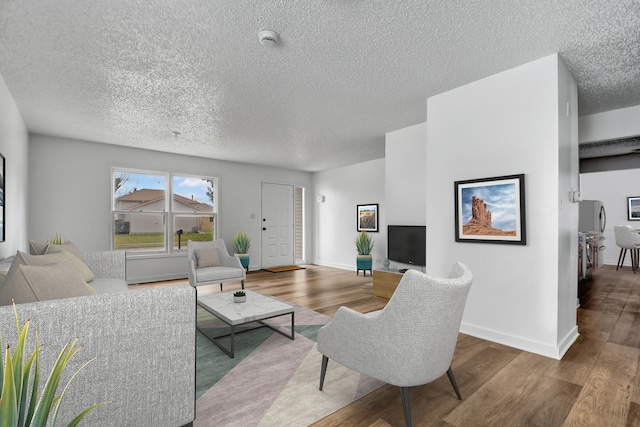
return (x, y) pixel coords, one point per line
(367, 217)
(2, 198)
(633, 208)
(491, 210)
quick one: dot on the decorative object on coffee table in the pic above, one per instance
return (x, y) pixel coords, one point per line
(241, 245)
(239, 296)
(364, 245)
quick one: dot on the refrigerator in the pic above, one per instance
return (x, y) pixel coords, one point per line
(593, 217)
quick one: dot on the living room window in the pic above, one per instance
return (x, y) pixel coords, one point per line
(150, 206)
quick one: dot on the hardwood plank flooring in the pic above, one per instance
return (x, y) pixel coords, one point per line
(597, 383)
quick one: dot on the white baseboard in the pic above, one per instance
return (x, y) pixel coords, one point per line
(156, 278)
(543, 349)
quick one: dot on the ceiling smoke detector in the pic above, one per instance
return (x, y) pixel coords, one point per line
(268, 37)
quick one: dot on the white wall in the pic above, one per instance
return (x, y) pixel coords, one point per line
(70, 186)
(509, 124)
(405, 154)
(612, 188)
(612, 124)
(343, 189)
(406, 200)
(14, 147)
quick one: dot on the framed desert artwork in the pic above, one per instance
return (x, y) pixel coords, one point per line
(491, 210)
(633, 208)
(367, 217)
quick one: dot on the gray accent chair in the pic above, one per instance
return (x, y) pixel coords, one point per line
(229, 270)
(627, 239)
(409, 342)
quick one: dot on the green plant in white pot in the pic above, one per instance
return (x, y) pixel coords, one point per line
(364, 246)
(241, 245)
(20, 405)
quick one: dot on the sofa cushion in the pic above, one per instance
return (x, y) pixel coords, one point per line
(30, 283)
(68, 246)
(37, 248)
(218, 273)
(60, 257)
(42, 248)
(107, 285)
(209, 257)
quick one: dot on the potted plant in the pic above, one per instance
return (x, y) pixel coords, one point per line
(19, 401)
(241, 244)
(364, 245)
(239, 296)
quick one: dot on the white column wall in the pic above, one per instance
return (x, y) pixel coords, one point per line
(503, 125)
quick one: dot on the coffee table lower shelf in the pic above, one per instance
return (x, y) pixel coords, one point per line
(231, 351)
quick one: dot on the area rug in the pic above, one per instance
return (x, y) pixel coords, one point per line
(283, 268)
(273, 380)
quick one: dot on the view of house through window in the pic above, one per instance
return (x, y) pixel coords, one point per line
(143, 217)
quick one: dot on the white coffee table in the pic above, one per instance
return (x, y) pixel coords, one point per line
(256, 308)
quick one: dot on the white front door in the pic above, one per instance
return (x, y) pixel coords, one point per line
(277, 225)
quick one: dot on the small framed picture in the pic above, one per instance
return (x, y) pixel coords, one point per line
(491, 210)
(633, 208)
(367, 217)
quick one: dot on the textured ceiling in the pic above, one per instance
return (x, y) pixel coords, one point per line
(344, 73)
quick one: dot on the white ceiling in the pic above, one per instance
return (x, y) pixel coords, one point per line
(344, 73)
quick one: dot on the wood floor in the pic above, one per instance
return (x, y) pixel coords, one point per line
(597, 383)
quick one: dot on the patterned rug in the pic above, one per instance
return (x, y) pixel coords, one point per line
(273, 380)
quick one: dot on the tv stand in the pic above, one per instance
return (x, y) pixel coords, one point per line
(385, 282)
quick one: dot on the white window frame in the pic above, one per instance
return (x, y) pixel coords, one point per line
(168, 213)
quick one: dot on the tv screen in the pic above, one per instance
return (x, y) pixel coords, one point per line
(407, 244)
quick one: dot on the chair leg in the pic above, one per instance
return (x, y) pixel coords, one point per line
(323, 370)
(624, 256)
(242, 281)
(619, 258)
(454, 383)
(404, 392)
(220, 287)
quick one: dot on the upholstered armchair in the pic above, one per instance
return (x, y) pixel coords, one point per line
(209, 262)
(627, 239)
(410, 341)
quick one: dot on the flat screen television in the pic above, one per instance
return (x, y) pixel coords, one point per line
(407, 244)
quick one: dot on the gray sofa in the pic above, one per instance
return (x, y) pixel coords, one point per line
(109, 267)
(144, 341)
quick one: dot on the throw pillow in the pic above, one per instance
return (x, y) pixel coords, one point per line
(31, 283)
(37, 248)
(66, 246)
(207, 257)
(60, 257)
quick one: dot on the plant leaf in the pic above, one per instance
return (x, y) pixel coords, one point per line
(36, 384)
(8, 403)
(48, 394)
(80, 416)
(66, 388)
